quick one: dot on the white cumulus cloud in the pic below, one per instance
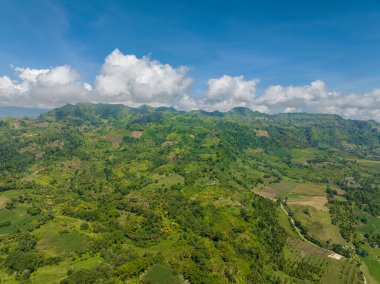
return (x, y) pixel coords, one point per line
(294, 96)
(135, 81)
(43, 87)
(317, 98)
(227, 92)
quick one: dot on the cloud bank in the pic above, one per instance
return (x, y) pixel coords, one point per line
(43, 87)
(135, 81)
(316, 98)
(227, 92)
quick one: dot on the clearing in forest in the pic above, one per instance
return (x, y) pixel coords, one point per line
(334, 270)
(307, 194)
(307, 201)
(115, 139)
(3, 201)
(137, 134)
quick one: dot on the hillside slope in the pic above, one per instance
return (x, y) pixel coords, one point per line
(97, 193)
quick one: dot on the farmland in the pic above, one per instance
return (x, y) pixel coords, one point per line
(109, 193)
(308, 205)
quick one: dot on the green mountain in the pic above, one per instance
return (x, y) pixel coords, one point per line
(98, 193)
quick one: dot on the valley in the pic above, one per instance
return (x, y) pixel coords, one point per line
(108, 193)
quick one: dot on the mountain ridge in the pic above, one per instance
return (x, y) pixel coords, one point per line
(126, 192)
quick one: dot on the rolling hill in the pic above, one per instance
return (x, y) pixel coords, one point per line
(98, 193)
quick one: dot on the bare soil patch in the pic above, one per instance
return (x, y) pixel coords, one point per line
(40, 154)
(334, 255)
(340, 191)
(115, 140)
(41, 125)
(137, 134)
(269, 193)
(262, 133)
(318, 202)
(16, 125)
(169, 143)
(309, 189)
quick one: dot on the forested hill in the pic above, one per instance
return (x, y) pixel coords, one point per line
(302, 129)
(99, 193)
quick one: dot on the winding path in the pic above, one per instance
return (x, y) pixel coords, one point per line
(332, 254)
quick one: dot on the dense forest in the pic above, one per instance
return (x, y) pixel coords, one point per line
(99, 193)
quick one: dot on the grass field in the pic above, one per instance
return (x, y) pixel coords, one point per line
(368, 163)
(54, 274)
(55, 240)
(169, 248)
(8, 279)
(3, 201)
(372, 261)
(169, 180)
(308, 202)
(373, 267)
(159, 273)
(284, 222)
(17, 217)
(318, 223)
(336, 271)
(373, 223)
(301, 156)
(317, 202)
(87, 262)
(12, 193)
(303, 249)
(50, 274)
(343, 271)
(307, 194)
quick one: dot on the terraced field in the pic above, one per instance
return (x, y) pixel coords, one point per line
(334, 271)
(297, 193)
(307, 202)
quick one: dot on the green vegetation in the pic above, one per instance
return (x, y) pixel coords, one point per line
(110, 194)
(159, 273)
(318, 225)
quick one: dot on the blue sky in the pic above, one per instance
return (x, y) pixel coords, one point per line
(280, 42)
